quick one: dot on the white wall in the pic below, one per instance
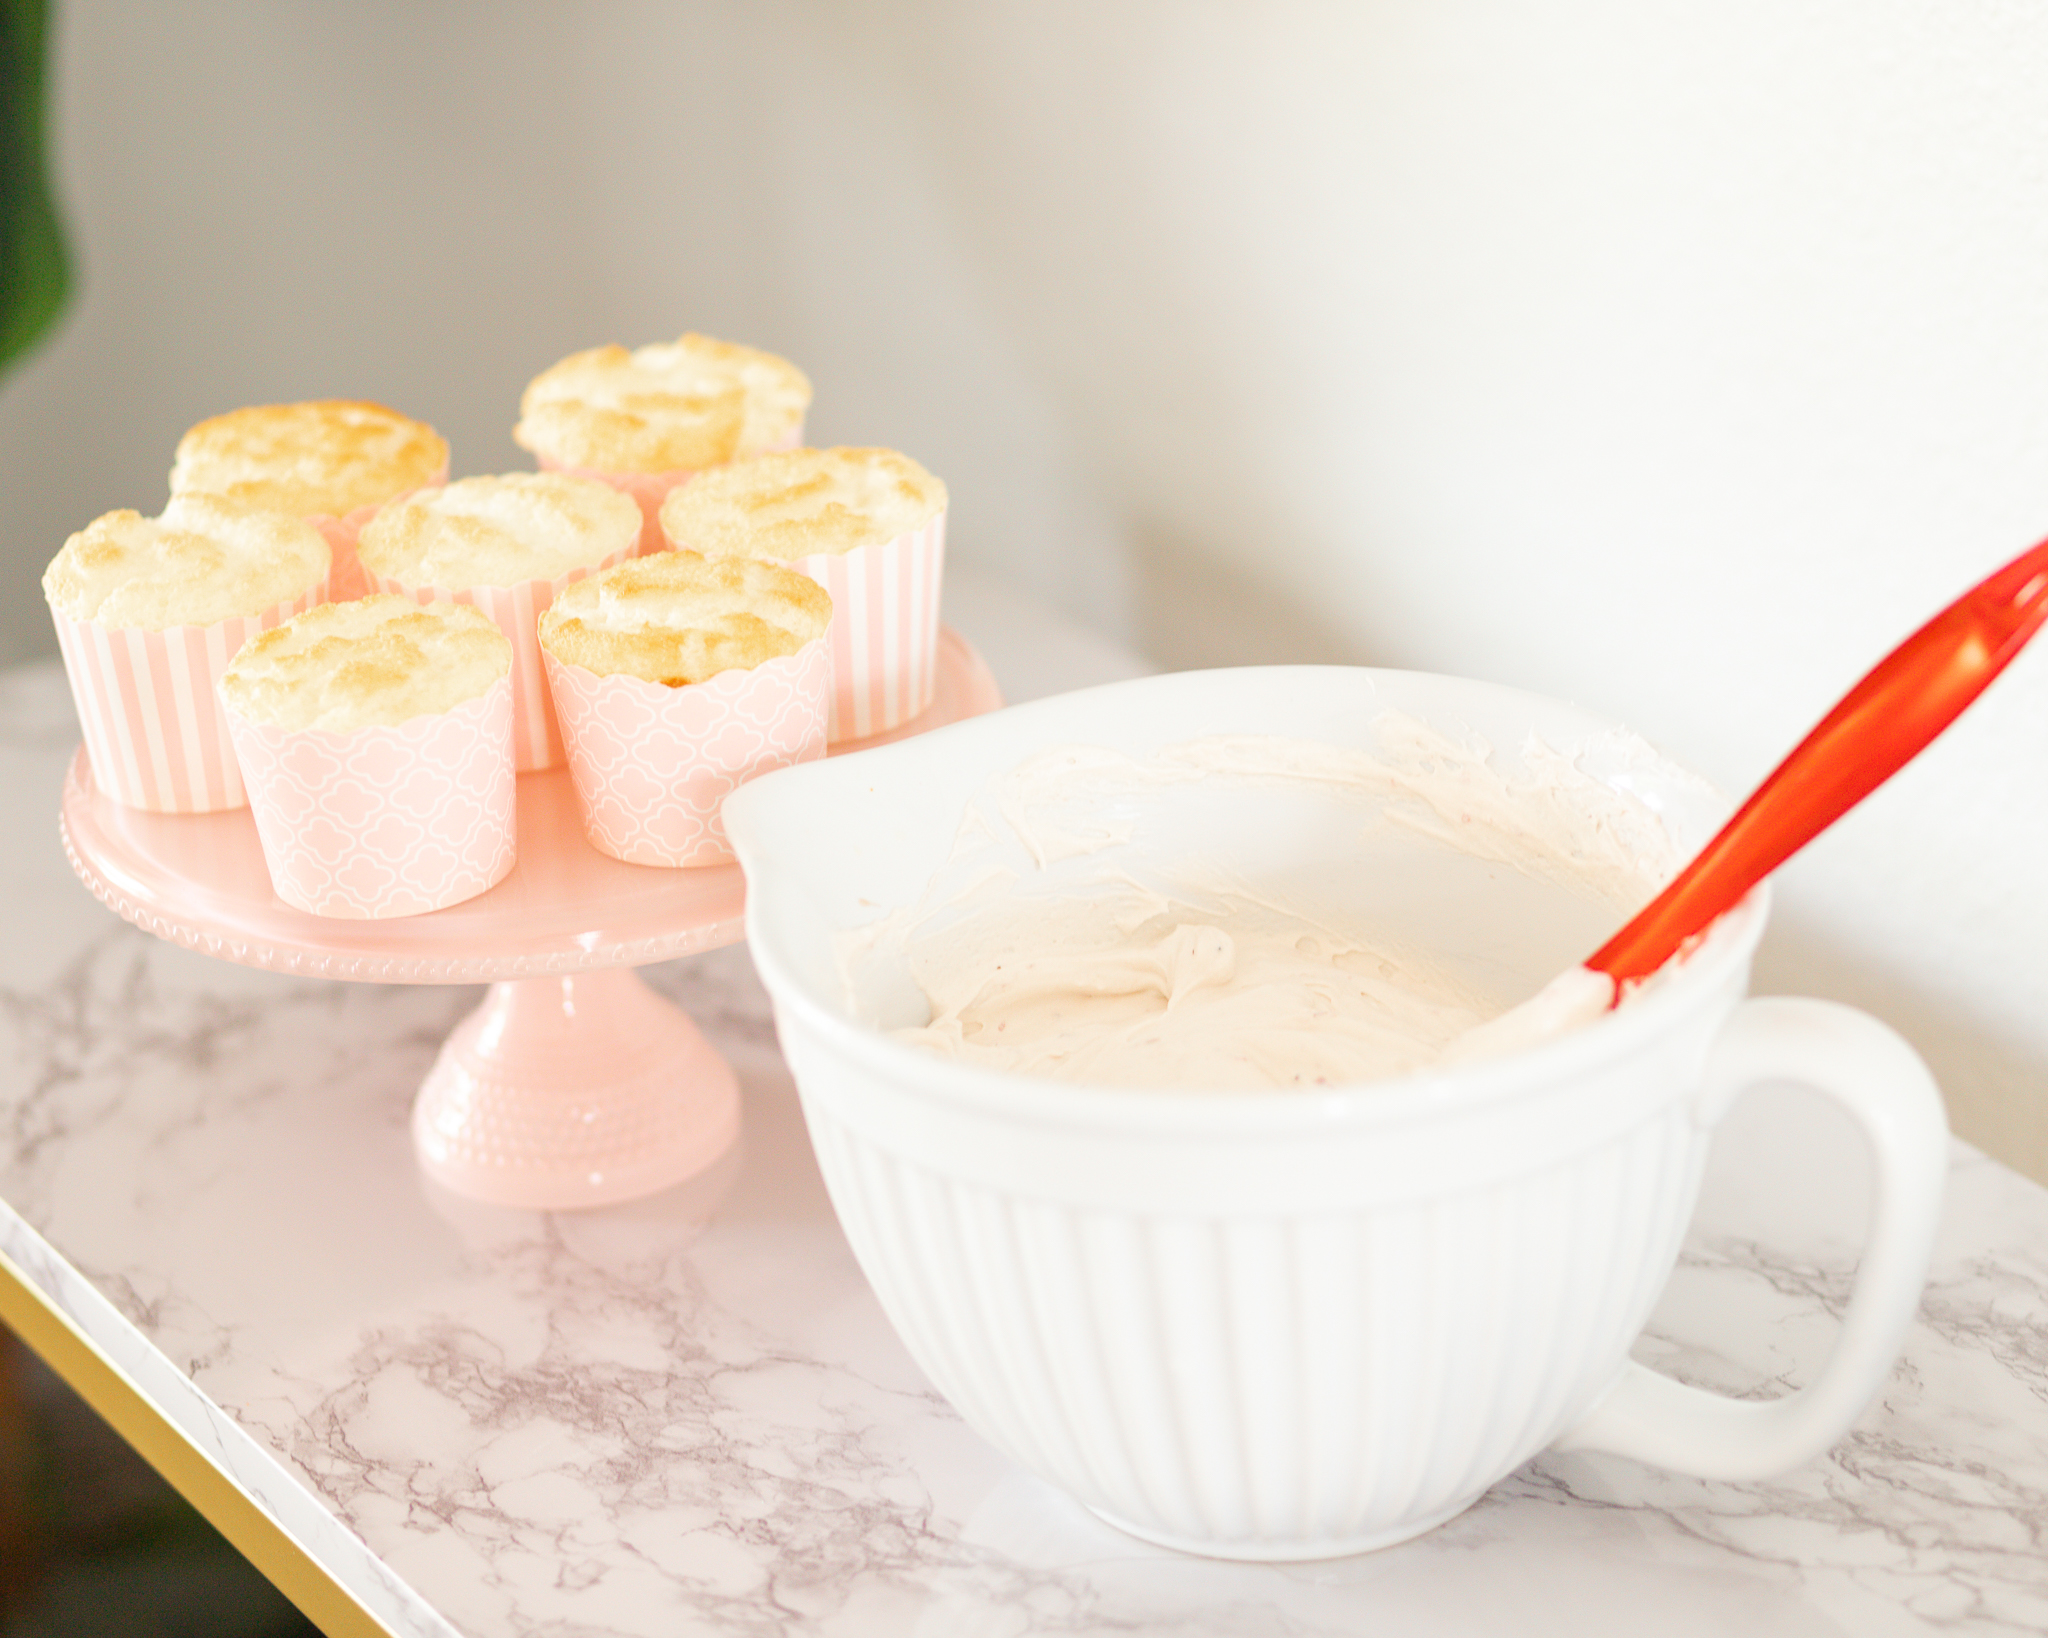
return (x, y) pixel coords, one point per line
(1676, 358)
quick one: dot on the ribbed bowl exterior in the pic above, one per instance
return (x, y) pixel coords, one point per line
(1252, 1325)
(1261, 1384)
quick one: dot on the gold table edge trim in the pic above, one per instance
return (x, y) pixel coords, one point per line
(230, 1509)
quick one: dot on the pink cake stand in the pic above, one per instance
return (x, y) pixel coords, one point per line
(573, 1084)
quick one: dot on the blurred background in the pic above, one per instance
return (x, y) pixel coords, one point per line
(1672, 357)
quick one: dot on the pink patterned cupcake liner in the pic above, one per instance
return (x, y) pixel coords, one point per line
(154, 730)
(652, 764)
(536, 736)
(348, 580)
(379, 822)
(885, 628)
(650, 489)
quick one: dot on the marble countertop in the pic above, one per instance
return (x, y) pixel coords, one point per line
(688, 1415)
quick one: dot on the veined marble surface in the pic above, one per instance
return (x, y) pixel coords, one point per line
(689, 1416)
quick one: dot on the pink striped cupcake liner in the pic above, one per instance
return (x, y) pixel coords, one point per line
(347, 579)
(380, 822)
(536, 736)
(885, 628)
(650, 489)
(652, 765)
(154, 731)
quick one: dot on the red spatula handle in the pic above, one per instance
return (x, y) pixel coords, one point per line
(1916, 691)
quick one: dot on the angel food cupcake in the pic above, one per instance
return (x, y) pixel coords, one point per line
(508, 545)
(376, 737)
(331, 462)
(148, 613)
(867, 524)
(645, 420)
(678, 679)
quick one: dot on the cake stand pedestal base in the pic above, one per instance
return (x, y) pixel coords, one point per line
(578, 1089)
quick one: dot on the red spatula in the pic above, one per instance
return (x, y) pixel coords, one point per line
(1916, 691)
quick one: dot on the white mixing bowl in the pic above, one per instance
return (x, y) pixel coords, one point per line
(1302, 1324)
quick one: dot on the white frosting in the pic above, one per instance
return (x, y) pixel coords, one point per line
(1571, 1000)
(1122, 952)
(1135, 988)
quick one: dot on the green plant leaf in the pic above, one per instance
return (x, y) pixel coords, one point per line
(34, 269)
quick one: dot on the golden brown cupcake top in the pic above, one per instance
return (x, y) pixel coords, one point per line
(795, 502)
(668, 407)
(373, 663)
(206, 559)
(677, 618)
(501, 531)
(327, 457)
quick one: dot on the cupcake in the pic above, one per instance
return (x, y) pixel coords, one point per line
(330, 462)
(678, 679)
(148, 613)
(376, 737)
(508, 545)
(644, 420)
(867, 524)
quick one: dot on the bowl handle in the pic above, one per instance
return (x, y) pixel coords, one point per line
(1874, 1075)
